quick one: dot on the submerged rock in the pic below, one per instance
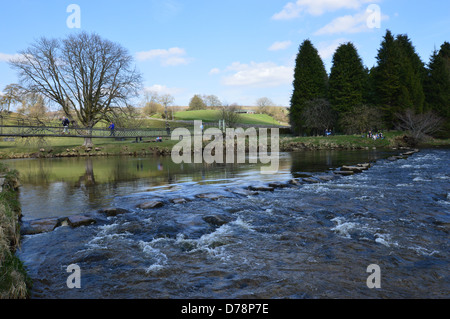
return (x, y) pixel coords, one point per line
(261, 188)
(310, 180)
(179, 200)
(355, 169)
(326, 178)
(243, 192)
(278, 185)
(294, 182)
(39, 226)
(395, 157)
(80, 220)
(113, 211)
(344, 173)
(150, 205)
(216, 220)
(209, 196)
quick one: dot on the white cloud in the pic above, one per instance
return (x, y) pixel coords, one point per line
(214, 71)
(317, 7)
(349, 24)
(171, 57)
(7, 57)
(280, 45)
(266, 74)
(162, 89)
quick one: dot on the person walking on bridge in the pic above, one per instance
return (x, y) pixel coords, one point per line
(112, 127)
(65, 123)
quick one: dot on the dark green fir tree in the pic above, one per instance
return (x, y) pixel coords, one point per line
(398, 78)
(437, 85)
(310, 82)
(386, 77)
(348, 79)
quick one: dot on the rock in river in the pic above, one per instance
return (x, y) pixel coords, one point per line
(216, 220)
(80, 220)
(243, 192)
(179, 200)
(113, 211)
(261, 188)
(40, 226)
(150, 205)
(209, 196)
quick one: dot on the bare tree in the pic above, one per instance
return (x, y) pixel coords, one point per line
(166, 100)
(318, 116)
(263, 104)
(33, 108)
(361, 119)
(127, 117)
(212, 101)
(229, 115)
(83, 73)
(419, 125)
(12, 94)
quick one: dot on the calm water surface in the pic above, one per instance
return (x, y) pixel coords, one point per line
(307, 241)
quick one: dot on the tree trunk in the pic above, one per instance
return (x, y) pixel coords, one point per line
(88, 142)
(89, 178)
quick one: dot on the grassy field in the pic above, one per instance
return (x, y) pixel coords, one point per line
(214, 116)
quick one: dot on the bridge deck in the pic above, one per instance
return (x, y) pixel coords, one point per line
(47, 131)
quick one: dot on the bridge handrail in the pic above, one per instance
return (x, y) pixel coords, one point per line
(21, 130)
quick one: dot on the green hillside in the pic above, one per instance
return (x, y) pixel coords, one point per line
(214, 115)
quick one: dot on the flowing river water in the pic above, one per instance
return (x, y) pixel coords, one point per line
(313, 240)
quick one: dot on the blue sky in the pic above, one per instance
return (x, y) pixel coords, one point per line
(237, 50)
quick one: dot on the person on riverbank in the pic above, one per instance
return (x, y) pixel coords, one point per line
(112, 129)
(65, 123)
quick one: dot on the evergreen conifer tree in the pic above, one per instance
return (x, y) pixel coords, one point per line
(310, 82)
(347, 79)
(398, 77)
(437, 84)
(386, 77)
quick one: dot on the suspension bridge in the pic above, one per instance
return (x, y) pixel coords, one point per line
(53, 131)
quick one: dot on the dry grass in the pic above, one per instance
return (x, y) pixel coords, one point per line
(14, 282)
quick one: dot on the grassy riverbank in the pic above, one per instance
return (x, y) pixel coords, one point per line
(393, 139)
(14, 282)
(71, 147)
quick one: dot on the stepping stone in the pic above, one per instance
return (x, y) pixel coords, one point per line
(278, 185)
(209, 196)
(344, 173)
(355, 169)
(243, 192)
(326, 178)
(215, 220)
(261, 188)
(114, 211)
(310, 180)
(179, 201)
(294, 182)
(150, 205)
(39, 226)
(79, 220)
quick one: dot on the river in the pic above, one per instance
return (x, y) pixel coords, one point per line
(307, 241)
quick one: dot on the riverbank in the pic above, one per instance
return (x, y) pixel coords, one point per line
(14, 282)
(71, 147)
(392, 140)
